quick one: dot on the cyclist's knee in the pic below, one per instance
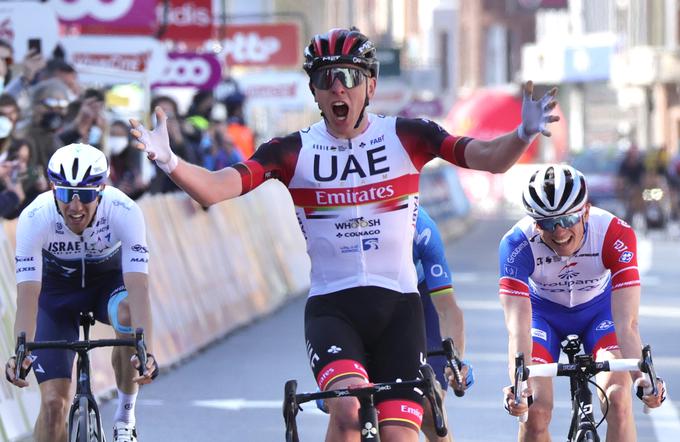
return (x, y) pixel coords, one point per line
(344, 413)
(124, 317)
(540, 415)
(620, 407)
(53, 409)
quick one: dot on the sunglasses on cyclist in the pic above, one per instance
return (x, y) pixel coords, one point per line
(85, 194)
(566, 221)
(349, 77)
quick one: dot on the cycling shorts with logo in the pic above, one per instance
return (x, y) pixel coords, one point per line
(58, 319)
(552, 322)
(366, 327)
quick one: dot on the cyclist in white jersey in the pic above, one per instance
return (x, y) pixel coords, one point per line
(569, 268)
(363, 318)
(81, 247)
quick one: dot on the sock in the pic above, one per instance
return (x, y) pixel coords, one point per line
(125, 412)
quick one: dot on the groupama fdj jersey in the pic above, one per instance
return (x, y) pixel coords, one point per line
(356, 199)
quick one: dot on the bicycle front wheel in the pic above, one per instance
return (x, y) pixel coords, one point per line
(79, 424)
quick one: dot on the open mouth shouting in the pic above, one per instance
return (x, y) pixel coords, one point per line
(340, 110)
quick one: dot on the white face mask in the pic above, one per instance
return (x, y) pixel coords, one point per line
(5, 126)
(117, 145)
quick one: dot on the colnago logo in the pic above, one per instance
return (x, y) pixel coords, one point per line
(6, 31)
(355, 223)
(340, 197)
(188, 14)
(104, 10)
(251, 47)
(189, 71)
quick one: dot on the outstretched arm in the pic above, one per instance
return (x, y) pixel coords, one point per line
(204, 186)
(499, 154)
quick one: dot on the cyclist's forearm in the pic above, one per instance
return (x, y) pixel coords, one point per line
(28, 293)
(137, 286)
(451, 321)
(207, 187)
(517, 312)
(625, 307)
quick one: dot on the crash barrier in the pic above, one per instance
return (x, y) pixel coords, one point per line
(210, 271)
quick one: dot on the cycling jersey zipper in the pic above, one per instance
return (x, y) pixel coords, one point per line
(82, 262)
(357, 208)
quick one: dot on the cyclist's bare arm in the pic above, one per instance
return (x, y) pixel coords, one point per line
(451, 323)
(497, 155)
(137, 286)
(517, 310)
(625, 307)
(27, 308)
(207, 187)
(28, 293)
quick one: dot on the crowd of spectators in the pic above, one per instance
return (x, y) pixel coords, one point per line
(43, 106)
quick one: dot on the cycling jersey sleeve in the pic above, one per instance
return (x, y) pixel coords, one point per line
(31, 234)
(424, 140)
(276, 158)
(619, 254)
(516, 264)
(131, 230)
(430, 251)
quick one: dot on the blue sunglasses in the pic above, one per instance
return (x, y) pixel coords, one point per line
(566, 221)
(85, 194)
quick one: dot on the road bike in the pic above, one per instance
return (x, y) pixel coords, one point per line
(580, 369)
(368, 417)
(84, 420)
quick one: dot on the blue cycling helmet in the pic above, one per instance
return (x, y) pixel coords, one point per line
(78, 165)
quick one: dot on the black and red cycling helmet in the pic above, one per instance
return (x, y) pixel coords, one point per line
(341, 46)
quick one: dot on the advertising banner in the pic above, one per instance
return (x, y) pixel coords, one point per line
(187, 21)
(202, 71)
(262, 45)
(112, 17)
(112, 60)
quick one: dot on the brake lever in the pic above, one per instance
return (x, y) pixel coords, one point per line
(454, 363)
(20, 352)
(140, 345)
(427, 375)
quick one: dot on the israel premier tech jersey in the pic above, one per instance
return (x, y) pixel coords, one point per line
(607, 260)
(48, 251)
(356, 199)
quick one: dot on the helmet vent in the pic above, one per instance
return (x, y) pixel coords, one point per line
(74, 169)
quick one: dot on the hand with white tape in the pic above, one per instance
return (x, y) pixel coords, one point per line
(536, 114)
(156, 144)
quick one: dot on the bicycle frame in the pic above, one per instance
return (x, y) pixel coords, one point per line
(367, 413)
(83, 387)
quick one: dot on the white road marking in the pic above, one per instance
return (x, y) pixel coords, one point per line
(666, 421)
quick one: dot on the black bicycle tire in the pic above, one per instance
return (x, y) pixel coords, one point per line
(84, 420)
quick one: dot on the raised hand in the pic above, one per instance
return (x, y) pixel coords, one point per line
(536, 114)
(155, 143)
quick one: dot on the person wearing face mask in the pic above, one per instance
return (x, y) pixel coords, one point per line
(126, 173)
(9, 114)
(49, 103)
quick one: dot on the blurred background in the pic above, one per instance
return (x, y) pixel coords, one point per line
(228, 74)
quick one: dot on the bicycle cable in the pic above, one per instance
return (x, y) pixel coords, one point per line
(606, 404)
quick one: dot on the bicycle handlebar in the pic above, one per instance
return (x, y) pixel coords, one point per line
(24, 347)
(450, 353)
(292, 400)
(520, 383)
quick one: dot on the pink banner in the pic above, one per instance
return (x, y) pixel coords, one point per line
(188, 69)
(113, 17)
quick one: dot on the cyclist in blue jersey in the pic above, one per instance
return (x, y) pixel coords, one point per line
(443, 317)
(81, 247)
(363, 318)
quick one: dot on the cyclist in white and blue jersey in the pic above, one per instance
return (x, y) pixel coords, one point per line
(81, 247)
(443, 317)
(570, 268)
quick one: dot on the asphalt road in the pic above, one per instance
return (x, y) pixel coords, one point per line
(232, 391)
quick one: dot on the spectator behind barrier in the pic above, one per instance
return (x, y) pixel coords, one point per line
(13, 174)
(85, 120)
(237, 130)
(16, 79)
(126, 173)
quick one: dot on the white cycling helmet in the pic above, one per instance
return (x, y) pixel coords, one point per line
(553, 191)
(78, 165)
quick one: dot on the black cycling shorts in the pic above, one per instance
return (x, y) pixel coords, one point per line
(380, 329)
